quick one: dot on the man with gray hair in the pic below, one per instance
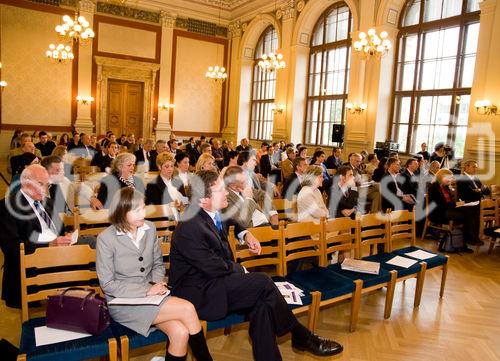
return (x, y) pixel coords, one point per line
(27, 217)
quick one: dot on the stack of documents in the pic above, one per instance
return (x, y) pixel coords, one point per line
(149, 300)
(357, 265)
(402, 262)
(420, 254)
(291, 294)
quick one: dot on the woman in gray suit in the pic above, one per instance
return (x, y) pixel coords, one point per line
(130, 264)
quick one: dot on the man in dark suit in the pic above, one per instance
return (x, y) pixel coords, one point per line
(343, 196)
(202, 272)
(410, 178)
(143, 156)
(392, 190)
(27, 217)
(292, 184)
(160, 147)
(334, 161)
(469, 187)
(85, 150)
(244, 146)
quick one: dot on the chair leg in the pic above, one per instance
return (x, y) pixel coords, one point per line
(443, 277)
(355, 302)
(313, 313)
(424, 232)
(21, 357)
(420, 284)
(124, 348)
(113, 349)
(492, 245)
(204, 327)
(391, 286)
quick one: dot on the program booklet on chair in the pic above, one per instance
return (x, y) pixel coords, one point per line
(357, 265)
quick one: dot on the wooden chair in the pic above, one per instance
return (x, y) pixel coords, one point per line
(342, 234)
(91, 222)
(164, 218)
(271, 256)
(494, 237)
(306, 240)
(402, 228)
(374, 230)
(50, 260)
(287, 210)
(487, 217)
(446, 227)
(81, 168)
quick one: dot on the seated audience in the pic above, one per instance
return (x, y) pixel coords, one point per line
(192, 151)
(165, 188)
(287, 164)
(310, 203)
(218, 153)
(62, 191)
(318, 159)
(411, 179)
(442, 154)
(16, 139)
(242, 205)
(247, 161)
(203, 272)
(244, 146)
(292, 184)
(84, 150)
(206, 162)
(381, 169)
(104, 162)
(444, 208)
(74, 142)
(232, 160)
(23, 159)
(205, 148)
(424, 153)
(371, 165)
(122, 175)
(434, 167)
(469, 187)
(267, 169)
(45, 145)
(302, 152)
(182, 172)
(370, 192)
(343, 200)
(64, 139)
(122, 273)
(19, 150)
(129, 142)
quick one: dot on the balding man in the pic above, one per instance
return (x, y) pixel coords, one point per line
(19, 150)
(27, 217)
(28, 156)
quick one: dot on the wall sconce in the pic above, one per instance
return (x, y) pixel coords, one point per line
(277, 108)
(3, 84)
(484, 107)
(355, 108)
(84, 100)
(162, 106)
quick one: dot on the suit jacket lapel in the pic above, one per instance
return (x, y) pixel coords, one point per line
(220, 238)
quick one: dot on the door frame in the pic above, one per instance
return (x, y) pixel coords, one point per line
(142, 104)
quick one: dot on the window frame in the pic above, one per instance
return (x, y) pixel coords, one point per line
(463, 20)
(324, 48)
(261, 122)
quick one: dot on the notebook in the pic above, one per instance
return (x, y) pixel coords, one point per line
(357, 265)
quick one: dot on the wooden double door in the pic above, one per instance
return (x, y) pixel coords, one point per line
(125, 107)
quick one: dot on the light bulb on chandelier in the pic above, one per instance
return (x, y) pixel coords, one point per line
(216, 73)
(370, 44)
(60, 53)
(75, 29)
(272, 62)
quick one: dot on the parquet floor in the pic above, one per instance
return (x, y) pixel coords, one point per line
(463, 326)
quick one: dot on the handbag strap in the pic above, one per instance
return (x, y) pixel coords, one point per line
(90, 293)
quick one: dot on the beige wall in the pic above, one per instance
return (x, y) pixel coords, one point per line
(197, 100)
(124, 40)
(38, 91)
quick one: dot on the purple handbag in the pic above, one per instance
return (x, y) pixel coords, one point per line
(81, 311)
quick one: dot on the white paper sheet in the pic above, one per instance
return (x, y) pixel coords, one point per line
(74, 237)
(470, 204)
(497, 230)
(149, 300)
(290, 293)
(420, 254)
(402, 262)
(46, 336)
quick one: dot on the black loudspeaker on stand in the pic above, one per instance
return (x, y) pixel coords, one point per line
(338, 133)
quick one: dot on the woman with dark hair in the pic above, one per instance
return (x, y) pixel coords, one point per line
(129, 263)
(15, 142)
(379, 172)
(318, 159)
(64, 140)
(122, 176)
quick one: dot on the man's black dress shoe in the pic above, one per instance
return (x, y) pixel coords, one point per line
(318, 346)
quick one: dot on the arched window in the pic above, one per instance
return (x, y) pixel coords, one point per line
(263, 89)
(436, 57)
(328, 75)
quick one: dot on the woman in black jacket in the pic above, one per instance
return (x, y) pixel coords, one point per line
(166, 188)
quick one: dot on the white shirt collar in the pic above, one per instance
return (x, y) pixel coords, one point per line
(144, 227)
(167, 182)
(30, 200)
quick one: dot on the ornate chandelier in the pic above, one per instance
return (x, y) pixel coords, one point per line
(371, 44)
(75, 29)
(216, 73)
(272, 62)
(60, 53)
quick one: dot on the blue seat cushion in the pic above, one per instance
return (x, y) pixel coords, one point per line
(135, 339)
(384, 257)
(436, 261)
(230, 320)
(329, 283)
(490, 232)
(80, 349)
(369, 280)
(306, 299)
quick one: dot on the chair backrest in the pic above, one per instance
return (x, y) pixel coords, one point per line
(341, 234)
(287, 210)
(271, 252)
(497, 221)
(488, 211)
(165, 251)
(91, 222)
(301, 240)
(164, 217)
(373, 230)
(401, 228)
(81, 168)
(50, 260)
